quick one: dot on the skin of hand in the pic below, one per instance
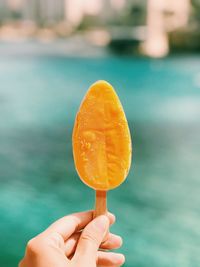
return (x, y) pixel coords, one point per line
(76, 240)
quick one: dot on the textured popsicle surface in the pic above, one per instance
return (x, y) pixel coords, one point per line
(101, 139)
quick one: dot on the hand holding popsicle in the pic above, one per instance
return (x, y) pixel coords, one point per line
(74, 241)
(101, 142)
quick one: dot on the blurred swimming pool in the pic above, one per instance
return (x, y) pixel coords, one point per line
(157, 208)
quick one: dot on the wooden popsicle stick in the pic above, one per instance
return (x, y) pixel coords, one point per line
(101, 207)
(100, 203)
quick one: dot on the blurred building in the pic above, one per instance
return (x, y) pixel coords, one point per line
(44, 11)
(49, 11)
(149, 25)
(40, 11)
(162, 18)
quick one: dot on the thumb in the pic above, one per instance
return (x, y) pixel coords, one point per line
(90, 240)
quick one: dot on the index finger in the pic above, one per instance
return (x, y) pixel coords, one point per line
(69, 224)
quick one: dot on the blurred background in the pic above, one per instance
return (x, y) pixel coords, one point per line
(50, 53)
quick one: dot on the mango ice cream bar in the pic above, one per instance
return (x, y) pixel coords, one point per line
(101, 139)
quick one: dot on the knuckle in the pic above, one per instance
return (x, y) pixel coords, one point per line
(55, 239)
(89, 237)
(76, 222)
(33, 246)
(21, 263)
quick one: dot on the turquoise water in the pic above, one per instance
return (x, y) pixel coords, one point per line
(157, 208)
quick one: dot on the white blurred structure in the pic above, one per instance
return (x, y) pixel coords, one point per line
(49, 11)
(162, 17)
(75, 10)
(72, 11)
(35, 10)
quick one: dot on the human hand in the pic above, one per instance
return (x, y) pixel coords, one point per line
(74, 241)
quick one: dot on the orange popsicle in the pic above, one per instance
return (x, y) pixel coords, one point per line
(101, 139)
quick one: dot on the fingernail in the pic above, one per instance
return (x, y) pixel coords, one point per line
(120, 259)
(119, 239)
(102, 223)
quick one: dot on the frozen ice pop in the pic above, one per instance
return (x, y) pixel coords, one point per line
(101, 141)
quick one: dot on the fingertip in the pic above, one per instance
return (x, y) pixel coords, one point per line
(118, 259)
(110, 259)
(120, 240)
(101, 222)
(112, 218)
(112, 242)
(121, 258)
